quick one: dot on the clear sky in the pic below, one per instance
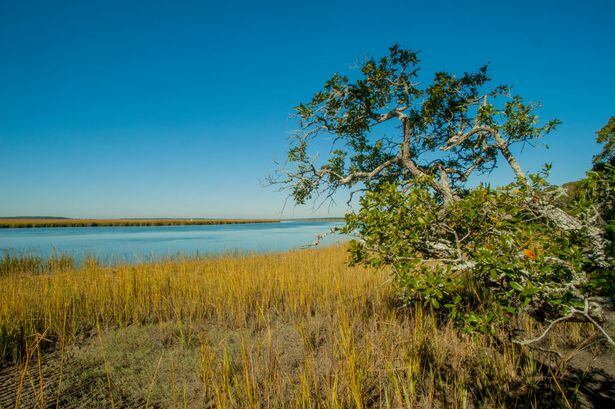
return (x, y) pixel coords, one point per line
(124, 108)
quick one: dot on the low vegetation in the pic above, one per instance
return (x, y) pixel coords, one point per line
(41, 222)
(297, 329)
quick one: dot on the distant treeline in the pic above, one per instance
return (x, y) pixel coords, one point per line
(318, 219)
(34, 217)
(36, 222)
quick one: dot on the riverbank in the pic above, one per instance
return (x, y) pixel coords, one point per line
(293, 329)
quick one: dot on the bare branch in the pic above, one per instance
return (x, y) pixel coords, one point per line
(320, 237)
(573, 311)
(444, 190)
(460, 138)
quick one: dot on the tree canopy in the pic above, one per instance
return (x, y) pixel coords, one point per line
(606, 136)
(387, 126)
(410, 146)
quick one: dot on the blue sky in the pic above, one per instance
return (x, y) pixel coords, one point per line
(121, 109)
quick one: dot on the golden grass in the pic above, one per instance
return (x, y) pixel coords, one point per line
(297, 329)
(14, 264)
(25, 223)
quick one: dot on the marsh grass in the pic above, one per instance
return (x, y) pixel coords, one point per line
(296, 329)
(28, 264)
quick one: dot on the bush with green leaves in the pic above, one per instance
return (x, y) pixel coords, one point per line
(478, 254)
(508, 260)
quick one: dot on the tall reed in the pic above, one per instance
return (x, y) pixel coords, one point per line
(296, 329)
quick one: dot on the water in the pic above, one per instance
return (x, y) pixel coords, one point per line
(132, 244)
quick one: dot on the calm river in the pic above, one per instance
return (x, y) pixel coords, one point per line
(143, 243)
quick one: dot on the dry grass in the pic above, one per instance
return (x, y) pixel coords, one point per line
(298, 329)
(25, 223)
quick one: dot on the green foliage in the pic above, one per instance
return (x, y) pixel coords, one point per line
(596, 194)
(606, 135)
(595, 198)
(477, 254)
(351, 112)
(518, 262)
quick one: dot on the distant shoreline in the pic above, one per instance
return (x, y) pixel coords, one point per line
(37, 222)
(63, 222)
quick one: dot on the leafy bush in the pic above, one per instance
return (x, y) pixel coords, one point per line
(514, 260)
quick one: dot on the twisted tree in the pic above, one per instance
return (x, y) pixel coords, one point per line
(410, 149)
